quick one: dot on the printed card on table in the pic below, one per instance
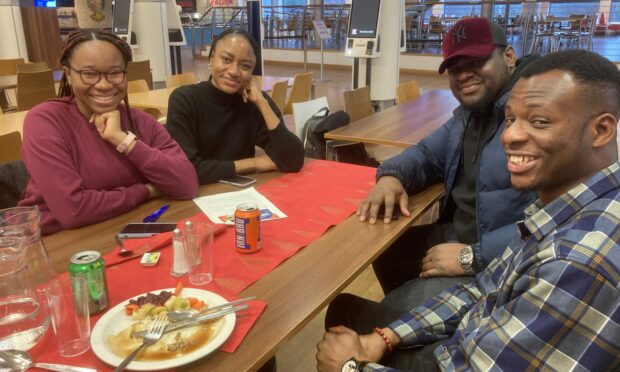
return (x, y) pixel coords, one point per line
(220, 208)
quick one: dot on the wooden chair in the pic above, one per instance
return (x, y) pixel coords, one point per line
(10, 147)
(358, 105)
(278, 94)
(141, 86)
(32, 67)
(185, 78)
(9, 66)
(301, 91)
(136, 86)
(407, 91)
(34, 88)
(140, 71)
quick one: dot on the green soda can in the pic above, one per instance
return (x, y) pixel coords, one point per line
(89, 265)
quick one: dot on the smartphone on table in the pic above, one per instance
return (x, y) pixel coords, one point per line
(239, 181)
(144, 230)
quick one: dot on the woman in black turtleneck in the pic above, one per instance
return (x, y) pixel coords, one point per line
(218, 122)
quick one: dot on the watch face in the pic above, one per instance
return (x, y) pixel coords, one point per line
(466, 257)
(349, 366)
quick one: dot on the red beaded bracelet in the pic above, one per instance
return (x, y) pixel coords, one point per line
(384, 337)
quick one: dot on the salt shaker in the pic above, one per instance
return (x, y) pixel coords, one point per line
(179, 261)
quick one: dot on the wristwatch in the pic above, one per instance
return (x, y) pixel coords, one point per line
(466, 259)
(353, 365)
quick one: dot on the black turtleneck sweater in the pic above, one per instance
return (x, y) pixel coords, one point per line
(215, 129)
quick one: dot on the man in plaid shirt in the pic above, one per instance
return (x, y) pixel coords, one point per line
(552, 301)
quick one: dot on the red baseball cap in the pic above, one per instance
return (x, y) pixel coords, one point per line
(471, 37)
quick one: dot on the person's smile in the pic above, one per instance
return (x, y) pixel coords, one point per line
(519, 163)
(469, 87)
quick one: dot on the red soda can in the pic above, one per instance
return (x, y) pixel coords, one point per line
(247, 228)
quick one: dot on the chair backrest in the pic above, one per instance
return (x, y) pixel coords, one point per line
(302, 111)
(140, 70)
(137, 86)
(9, 66)
(34, 88)
(185, 78)
(357, 103)
(301, 91)
(141, 86)
(32, 67)
(407, 91)
(10, 147)
(278, 93)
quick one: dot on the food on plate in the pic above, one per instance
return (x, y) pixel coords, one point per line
(171, 345)
(143, 309)
(153, 304)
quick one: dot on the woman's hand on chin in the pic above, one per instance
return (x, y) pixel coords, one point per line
(252, 92)
(108, 126)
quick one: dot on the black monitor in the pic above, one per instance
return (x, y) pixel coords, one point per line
(121, 18)
(364, 19)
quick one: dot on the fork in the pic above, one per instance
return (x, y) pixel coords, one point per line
(150, 337)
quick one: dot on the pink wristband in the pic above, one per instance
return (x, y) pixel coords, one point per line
(122, 147)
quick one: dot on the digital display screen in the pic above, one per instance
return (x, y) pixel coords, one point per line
(364, 18)
(45, 3)
(120, 23)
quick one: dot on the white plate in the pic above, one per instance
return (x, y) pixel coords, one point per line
(115, 321)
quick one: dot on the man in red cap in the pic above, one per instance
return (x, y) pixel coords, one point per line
(465, 154)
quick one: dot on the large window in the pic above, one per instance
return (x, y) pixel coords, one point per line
(499, 10)
(460, 10)
(566, 9)
(614, 14)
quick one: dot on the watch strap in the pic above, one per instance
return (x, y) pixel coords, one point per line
(122, 147)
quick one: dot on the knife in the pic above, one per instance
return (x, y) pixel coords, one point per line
(195, 321)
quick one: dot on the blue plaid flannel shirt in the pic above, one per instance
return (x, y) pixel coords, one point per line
(551, 302)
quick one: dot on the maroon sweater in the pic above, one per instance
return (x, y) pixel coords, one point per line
(77, 178)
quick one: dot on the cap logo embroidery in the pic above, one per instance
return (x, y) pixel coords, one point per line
(458, 34)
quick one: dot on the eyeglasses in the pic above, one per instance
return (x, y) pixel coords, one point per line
(466, 64)
(92, 77)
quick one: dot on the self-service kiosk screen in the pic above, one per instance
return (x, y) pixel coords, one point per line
(120, 24)
(364, 18)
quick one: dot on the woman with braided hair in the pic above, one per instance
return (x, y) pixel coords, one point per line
(91, 157)
(218, 122)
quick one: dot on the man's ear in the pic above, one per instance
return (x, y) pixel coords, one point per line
(603, 129)
(510, 56)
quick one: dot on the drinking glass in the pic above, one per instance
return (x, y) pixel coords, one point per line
(68, 305)
(198, 246)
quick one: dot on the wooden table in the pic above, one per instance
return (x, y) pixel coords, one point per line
(295, 291)
(401, 125)
(158, 98)
(12, 122)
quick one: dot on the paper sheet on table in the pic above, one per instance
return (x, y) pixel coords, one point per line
(220, 208)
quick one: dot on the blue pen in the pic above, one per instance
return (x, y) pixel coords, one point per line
(155, 215)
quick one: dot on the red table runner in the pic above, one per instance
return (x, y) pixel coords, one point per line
(322, 195)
